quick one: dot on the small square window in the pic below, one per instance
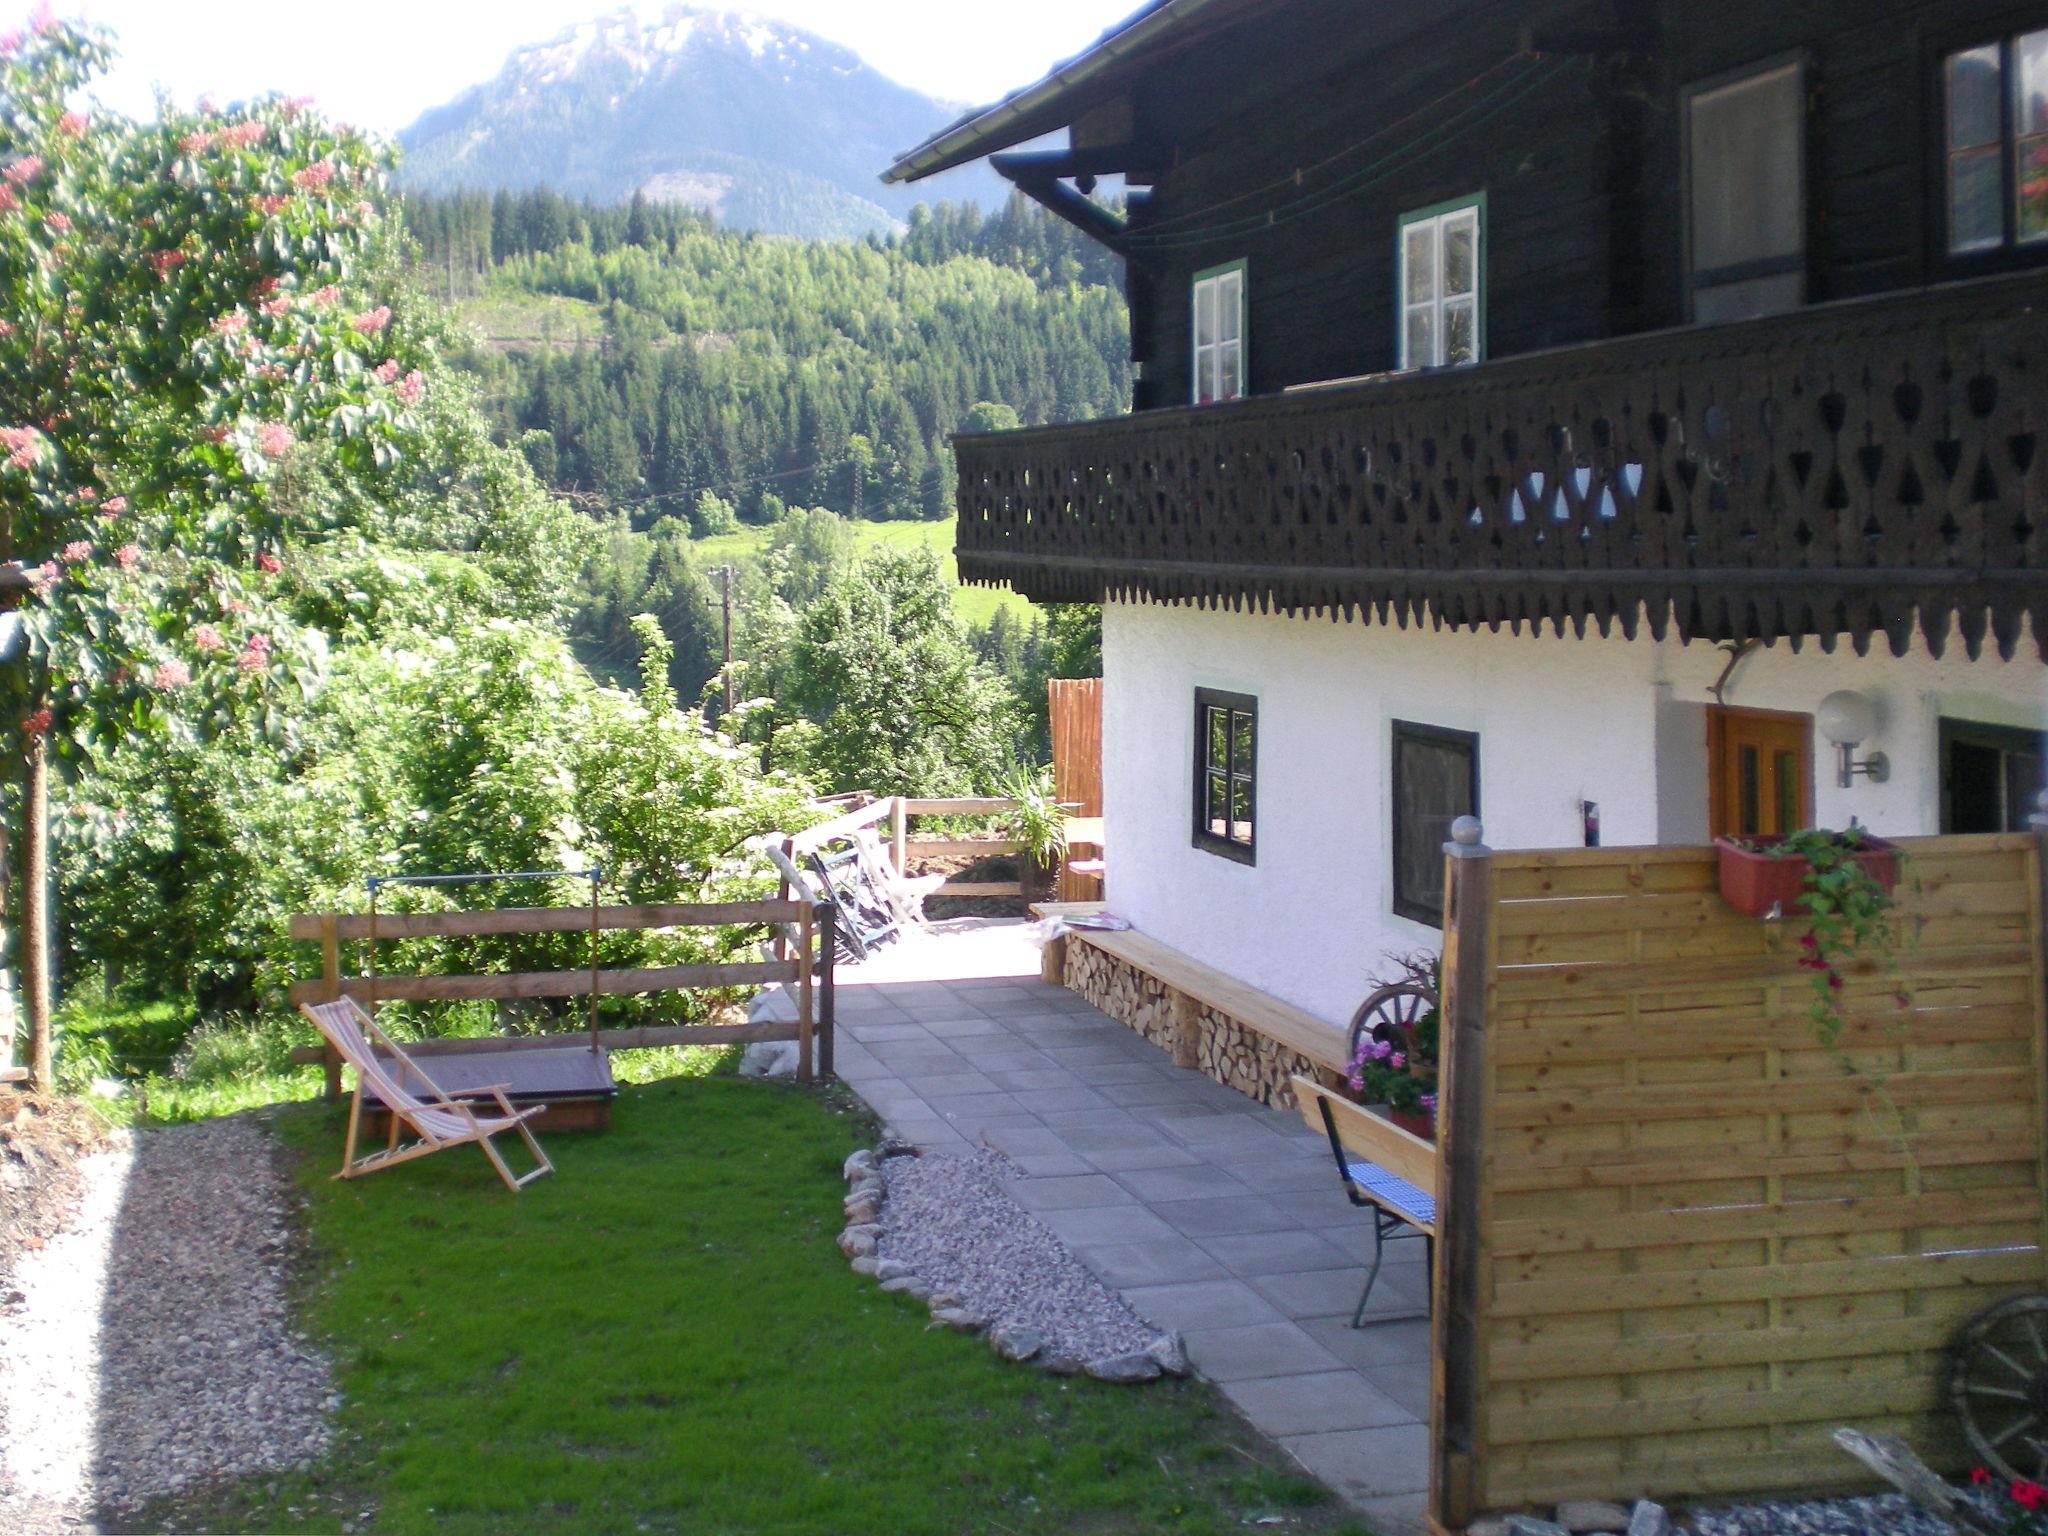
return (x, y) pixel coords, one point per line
(1226, 772)
(1436, 780)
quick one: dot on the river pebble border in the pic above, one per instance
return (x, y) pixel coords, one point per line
(943, 1230)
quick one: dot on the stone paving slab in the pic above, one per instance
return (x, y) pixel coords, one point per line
(1211, 1214)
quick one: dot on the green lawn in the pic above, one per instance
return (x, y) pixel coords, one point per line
(977, 605)
(663, 1337)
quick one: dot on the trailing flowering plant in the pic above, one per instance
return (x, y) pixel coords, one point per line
(1849, 911)
(2018, 1505)
(185, 306)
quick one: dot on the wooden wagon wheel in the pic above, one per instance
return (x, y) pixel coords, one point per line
(1390, 1014)
(1998, 1386)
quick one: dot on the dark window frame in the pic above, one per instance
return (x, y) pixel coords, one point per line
(2010, 254)
(1951, 730)
(1692, 279)
(1241, 850)
(1411, 730)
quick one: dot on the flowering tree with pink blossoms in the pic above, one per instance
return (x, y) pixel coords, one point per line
(184, 307)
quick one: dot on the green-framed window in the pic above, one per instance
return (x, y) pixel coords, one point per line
(1442, 284)
(1218, 329)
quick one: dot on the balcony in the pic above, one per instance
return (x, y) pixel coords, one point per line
(1859, 468)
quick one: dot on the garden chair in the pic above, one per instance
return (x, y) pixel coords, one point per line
(1399, 1209)
(437, 1120)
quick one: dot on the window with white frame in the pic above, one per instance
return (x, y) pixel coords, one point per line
(1995, 134)
(1443, 310)
(1219, 334)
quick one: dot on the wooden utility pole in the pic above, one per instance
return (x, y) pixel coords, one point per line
(35, 914)
(725, 571)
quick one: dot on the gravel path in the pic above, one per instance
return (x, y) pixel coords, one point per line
(147, 1346)
(953, 1223)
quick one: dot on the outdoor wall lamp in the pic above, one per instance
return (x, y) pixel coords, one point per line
(1847, 718)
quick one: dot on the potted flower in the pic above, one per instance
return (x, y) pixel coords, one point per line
(1841, 881)
(1392, 1064)
(1037, 822)
(1768, 876)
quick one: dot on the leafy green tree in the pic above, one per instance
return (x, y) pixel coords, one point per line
(903, 706)
(713, 515)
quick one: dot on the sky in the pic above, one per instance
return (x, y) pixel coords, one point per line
(379, 63)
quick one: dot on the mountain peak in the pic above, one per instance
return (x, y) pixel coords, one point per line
(766, 125)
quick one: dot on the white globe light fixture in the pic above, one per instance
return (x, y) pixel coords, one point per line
(1848, 719)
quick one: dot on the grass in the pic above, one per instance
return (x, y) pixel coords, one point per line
(164, 1065)
(663, 1337)
(975, 605)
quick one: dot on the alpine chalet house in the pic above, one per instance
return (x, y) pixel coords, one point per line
(1624, 421)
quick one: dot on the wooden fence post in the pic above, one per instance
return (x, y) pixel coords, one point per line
(330, 973)
(806, 962)
(828, 952)
(1461, 1117)
(34, 937)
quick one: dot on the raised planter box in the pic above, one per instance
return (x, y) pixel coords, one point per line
(1754, 880)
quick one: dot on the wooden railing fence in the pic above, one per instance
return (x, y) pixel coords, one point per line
(1683, 1236)
(1865, 467)
(807, 965)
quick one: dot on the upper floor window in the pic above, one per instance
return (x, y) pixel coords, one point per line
(1443, 306)
(1995, 120)
(1226, 772)
(1219, 333)
(1745, 192)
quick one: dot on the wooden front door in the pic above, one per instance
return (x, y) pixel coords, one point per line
(1760, 772)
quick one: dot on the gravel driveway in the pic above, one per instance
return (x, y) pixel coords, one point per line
(147, 1346)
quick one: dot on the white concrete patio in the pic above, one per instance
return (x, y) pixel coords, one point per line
(1208, 1212)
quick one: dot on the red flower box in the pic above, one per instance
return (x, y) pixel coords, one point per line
(1754, 880)
(1416, 1122)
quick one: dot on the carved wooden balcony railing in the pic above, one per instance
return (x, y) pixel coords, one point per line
(1852, 469)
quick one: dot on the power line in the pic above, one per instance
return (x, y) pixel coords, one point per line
(1455, 128)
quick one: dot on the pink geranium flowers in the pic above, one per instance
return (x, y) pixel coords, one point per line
(255, 654)
(274, 439)
(371, 321)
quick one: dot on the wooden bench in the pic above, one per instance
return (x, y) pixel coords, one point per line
(1193, 986)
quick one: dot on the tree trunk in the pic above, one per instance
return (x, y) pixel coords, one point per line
(35, 915)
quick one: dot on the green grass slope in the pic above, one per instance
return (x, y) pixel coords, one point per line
(664, 1337)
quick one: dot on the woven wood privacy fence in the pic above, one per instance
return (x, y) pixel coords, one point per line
(1685, 1239)
(1076, 716)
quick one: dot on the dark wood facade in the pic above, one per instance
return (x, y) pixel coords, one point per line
(1866, 461)
(1578, 150)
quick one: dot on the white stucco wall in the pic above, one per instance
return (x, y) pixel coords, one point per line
(1560, 721)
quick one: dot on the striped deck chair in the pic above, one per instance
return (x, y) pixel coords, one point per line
(437, 1120)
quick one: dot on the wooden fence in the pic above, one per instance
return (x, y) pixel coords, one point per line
(1683, 1237)
(807, 965)
(1074, 707)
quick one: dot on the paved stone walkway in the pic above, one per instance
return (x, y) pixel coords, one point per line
(1210, 1213)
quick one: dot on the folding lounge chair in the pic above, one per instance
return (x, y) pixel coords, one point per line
(439, 1120)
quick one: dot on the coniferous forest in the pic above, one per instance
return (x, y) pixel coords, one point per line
(679, 382)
